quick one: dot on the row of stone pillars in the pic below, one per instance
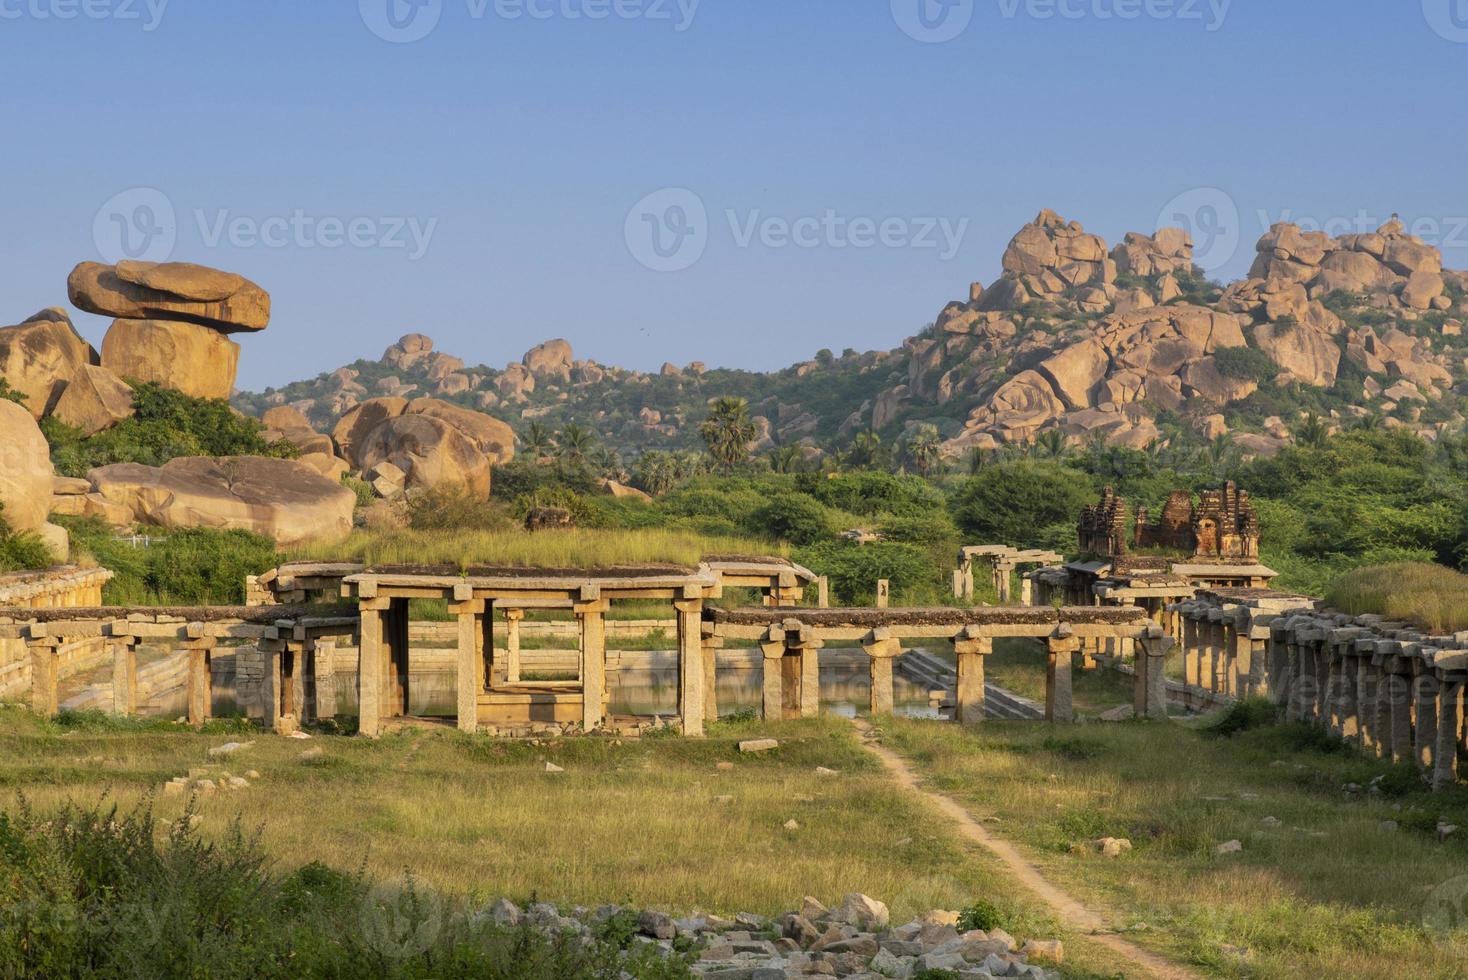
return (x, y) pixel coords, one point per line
(1379, 694)
(1222, 648)
(44, 649)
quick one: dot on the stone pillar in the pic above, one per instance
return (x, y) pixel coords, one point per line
(1026, 591)
(958, 583)
(709, 651)
(809, 655)
(1348, 708)
(1400, 686)
(882, 647)
(1385, 740)
(44, 651)
(1425, 692)
(1366, 695)
(592, 615)
(1003, 582)
(691, 685)
(513, 618)
(823, 592)
(1449, 724)
(971, 647)
(1296, 671)
(1149, 699)
(371, 672)
(469, 679)
(1192, 660)
(124, 675)
(1241, 680)
(395, 637)
(1059, 706)
(773, 683)
(322, 655)
(884, 592)
(200, 651)
(278, 688)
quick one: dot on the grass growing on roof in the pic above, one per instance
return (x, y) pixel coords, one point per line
(577, 548)
(1429, 595)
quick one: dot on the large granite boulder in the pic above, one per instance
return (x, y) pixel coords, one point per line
(551, 361)
(353, 428)
(494, 438)
(96, 399)
(289, 424)
(429, 450)
(192, 359)
(26, 476)
(282, 499)
(40, 356)
(222, 301)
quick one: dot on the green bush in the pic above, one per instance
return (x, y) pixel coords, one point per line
(983, 914)
(1011, 502)
(22, 551)
(794, 517)
(455, 507)
(929, 530)
(1245, 364)
(89, 892)
(193, 567)
(854, 569)
(167, 424)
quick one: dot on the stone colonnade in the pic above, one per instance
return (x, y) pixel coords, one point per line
(1393, 691)
(1003, 561)
(66, 587)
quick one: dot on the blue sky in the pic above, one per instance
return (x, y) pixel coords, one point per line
(820, 173)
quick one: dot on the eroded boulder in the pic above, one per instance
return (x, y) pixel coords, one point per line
(26, 476)
(40, 356)
(96, 399)
(429, 450)
(222, 301)
(195, 360)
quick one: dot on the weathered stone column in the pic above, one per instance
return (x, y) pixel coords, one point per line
(709, 649)
(691, 685)
(124, 674)
(1449, 725)
(1149, 698)
(513, 618)
(971, 647)
(1241, 678)
(1399, 683)
(469, 679)
(1366, 696)
(44, 652)
(1192, 658)
(591, 612)
(278, 686)
(200, 652)
(808, 659)
(1002, 572)
(322, 655)
(1425, 693)
(395, 637)
(1026, 591)
(1059, 706)
(1279, 663)
(773, 675)
(823, 592)
(882, 648)
(1385, 739)
(371, 666)
(884, 593)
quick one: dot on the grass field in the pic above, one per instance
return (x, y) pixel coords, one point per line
(578, 548)
(1430, 595)
(1319, 890)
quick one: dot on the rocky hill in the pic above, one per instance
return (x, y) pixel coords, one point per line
(1127, 344)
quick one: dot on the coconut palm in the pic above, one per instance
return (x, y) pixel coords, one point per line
(1312, 431)
(728, 431)
(573, 443)
(536, 441)
(867, 452)
(923, 450)
(787, 459)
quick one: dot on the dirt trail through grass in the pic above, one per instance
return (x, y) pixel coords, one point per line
(1073, 915)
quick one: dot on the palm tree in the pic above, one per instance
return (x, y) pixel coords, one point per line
(787, 459)
(605, 463)
(537, 440)
(573, 443)
(1051, 444)
(924, 449)
(655, 472)
(867, 452)
(1312, 431)
(728, 431)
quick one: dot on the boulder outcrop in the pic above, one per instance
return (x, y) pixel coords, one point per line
(40, 356)
(192, 359)
(221, 301)
(95, 399)
(283, 499)
(26, 476)
(430, 451)
(551, 360)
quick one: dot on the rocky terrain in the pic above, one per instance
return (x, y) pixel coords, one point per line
(1126, 344)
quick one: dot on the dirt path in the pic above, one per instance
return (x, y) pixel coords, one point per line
(1073, 915)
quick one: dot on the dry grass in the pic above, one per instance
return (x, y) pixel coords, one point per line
(1431, 596)
(579, 548)
(1325, 892)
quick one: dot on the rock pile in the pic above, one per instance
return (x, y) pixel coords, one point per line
(400, 445)
(854, 939)
(173, 321)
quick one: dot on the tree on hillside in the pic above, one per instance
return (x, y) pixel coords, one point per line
(1050, 444)
(1312, 431)
(728, 431)
(573, 443)
(868, 453)
(787, 459)
(923, 450)
(537, 441)
(1025, 503)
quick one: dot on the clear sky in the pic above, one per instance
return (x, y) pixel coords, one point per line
(741, 182)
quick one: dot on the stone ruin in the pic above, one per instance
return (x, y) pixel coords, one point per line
(1220, 525)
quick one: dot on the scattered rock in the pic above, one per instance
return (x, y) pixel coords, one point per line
(755, 745)
(552, 767)
(1229, 847)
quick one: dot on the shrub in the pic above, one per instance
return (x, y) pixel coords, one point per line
(983, 914)
(454, 506)
(1245, 364)
(794, 517)
(10, 394)
(1010, 503)
(167, 424)
(21, 551)
(1243, 716)
(873, 492)
(930, 529)
(197, 566)
(854, 569)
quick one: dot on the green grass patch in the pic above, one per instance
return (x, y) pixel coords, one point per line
(1431, 596)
